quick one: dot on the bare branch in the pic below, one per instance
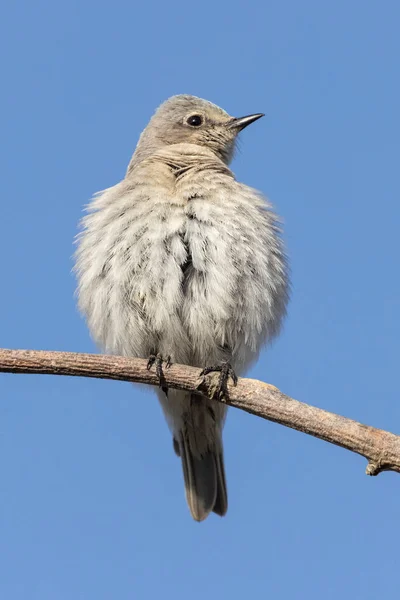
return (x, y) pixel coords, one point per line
(380, 448)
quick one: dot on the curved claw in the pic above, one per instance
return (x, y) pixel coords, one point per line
(225, 371)
(158, 360)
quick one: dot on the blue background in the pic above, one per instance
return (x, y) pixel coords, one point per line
(91, 493)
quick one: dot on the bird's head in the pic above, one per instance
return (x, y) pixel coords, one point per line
(191, 120)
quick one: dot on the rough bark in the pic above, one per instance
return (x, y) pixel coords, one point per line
(380, 448)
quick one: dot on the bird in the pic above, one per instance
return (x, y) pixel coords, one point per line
(180, 262)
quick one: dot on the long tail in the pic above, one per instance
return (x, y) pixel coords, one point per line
(204, 475)
(196, 424)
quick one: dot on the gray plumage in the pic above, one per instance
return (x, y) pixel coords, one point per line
(181, 259)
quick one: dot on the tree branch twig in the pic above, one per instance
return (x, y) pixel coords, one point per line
(380, 448)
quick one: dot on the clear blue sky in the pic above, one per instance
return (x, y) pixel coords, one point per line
(91, 493)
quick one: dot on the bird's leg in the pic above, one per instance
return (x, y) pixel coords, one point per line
(158, 360)
(225, 371)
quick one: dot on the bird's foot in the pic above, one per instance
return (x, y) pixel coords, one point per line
(225, 370)
(158, 360)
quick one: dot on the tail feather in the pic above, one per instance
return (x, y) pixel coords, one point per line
(221, 501)
(204, 476)
(196, 425)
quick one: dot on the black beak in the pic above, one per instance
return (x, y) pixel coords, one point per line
(242, 122)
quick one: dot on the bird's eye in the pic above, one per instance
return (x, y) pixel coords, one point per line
(195, 120)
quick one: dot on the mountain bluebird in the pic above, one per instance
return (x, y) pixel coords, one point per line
(179, 261)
